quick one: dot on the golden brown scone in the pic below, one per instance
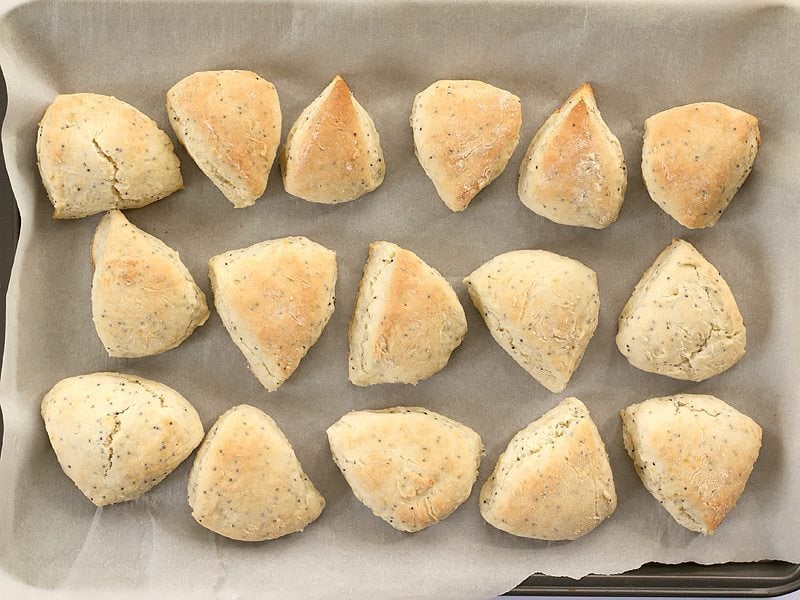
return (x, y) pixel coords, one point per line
(230, 124)
(333, 152)
(574, 172)
(246, 482)
(696, 157)
(96, 153)
(464, 134)
(411, 466)
(406, 322)
(693, 453)
(274, 298)
(682, 320)
(116, 436)
(541, 308)
(144, 300)
(554, 481)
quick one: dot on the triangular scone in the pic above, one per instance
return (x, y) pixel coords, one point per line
(96, 153)
(464, 134)
(230, 124)
(144, 300)
(693, 453)
(406, 322)
(554, 481)
(246, 482)
(696, 157)
(411, 466)
(682, 320)
(541, 308)
(116, 436)
(574, 172)
(275, 298)
(332, 153)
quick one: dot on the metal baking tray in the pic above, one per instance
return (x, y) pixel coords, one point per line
(744, 580)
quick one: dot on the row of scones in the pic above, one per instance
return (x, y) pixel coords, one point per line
(276, 297)
(97, 153)
(117, 436)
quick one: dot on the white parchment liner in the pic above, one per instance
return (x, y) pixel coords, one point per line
(640, 57)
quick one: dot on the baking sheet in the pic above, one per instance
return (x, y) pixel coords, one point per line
(639, 62)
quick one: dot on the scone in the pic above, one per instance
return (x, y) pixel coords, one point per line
(411, 466)
(554, 481)
(230, 124)
(541, 308)
(693, 453)
(96, 153)
(696, 157)
(574, 172)
(117, 436)
(332, 153)
(274, 298)
(144, 300)
(246, 482)
(406, 322)
(464, 134)
(682, 320)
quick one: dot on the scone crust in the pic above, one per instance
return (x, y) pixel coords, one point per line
(246, 482)
(96, 153)
(117, 436)
(464, 134)
(554, 481)
(230, 124)
(144, 300)
(696, 157)
(694, 454)
(541, 308)
(574, 171)
(333, 152)
(682, 320)
(275, 298)
(406, 322)
(411, 466)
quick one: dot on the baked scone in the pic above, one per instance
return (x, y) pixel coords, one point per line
(541, 308)
(406, 322)
(230, 124)
(116, 436)
(682, 320)
(693, 453)
(696, 157)
(333, 152)
(574, 172)
(411, 466)
(144, 300)
(96, 153)
(464, 134)
(246, 482)
(554, 481)
(274, 298)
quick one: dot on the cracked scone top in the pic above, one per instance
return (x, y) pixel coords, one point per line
(682, 320)
(116, 436)
(96, 153)
(693, 453)
(411, 466)
(554, 481)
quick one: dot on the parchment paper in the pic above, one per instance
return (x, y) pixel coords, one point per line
(640, 58)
